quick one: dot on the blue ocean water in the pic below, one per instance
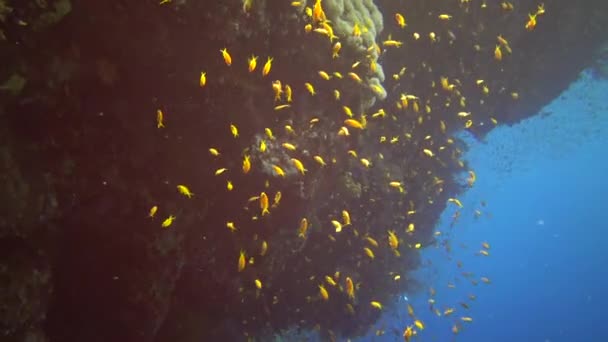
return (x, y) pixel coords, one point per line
(544, 182)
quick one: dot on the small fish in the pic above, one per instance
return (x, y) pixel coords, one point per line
(310, 88)
(278, 170)
(471, 179)
(152, 211)
(214, 151)
(397, 185)
(247, 5)
(365, 162)
(203, 79)
(220, 171)
(531, 23)
(379, 114)
(369, 252)
(278, 90)
(507, 6)
(283, 106)
(289, 129)
(376, 305)
(372, 241)
(345, 218)
(229, 185)
(335, 50)
(324, 75)
(159, 119)
(444, 16)
(337, 94)
(253, 62)
(400, 20)
(455, 201)
(497, 53)
(347, 111)
(227, 57)
(267, 66)
(184, 191)
(318, 15)
(330, 280)
(502, 41)
(289, 146)
(392, 43)
(264, 248)
(168, 221)
(231, 226)
(540, 9)
(418, 323)
(393, 242)
(356, 30)
(262, 145)
(337, 225)
(410, 310)
(354, 124)
(350, 288)
(408, 333)
(288, 93)
(269, 134)
(355, 77)
(299, 166)
(343, 131)
(319, 160)
(246, 164)
(323, 292)
(258, 284)
(234, 130)
(242, 261)
(264, 203)
(303, 228)
(410, 228)
(277, 199)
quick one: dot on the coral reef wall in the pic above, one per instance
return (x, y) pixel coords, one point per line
(82, 159)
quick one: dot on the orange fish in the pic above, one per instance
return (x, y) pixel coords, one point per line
(264, 203)
(350, 288)
(531, 24)
(241, 264)
(226, 55)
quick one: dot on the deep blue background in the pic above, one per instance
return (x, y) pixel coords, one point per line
(544, 181)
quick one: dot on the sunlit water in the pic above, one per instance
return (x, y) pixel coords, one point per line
(544, 181)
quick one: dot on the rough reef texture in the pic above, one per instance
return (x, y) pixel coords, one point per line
(81, 160)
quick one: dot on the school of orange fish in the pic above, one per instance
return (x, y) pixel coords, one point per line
(281, 156)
